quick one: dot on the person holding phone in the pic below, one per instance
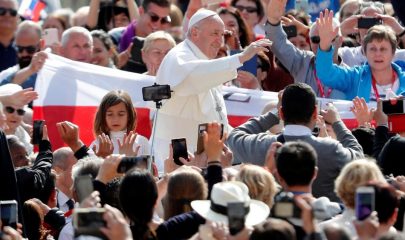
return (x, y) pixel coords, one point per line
(370, 81)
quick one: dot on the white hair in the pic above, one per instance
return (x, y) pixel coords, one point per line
(335, 24)
(199, 23)
(67, 34)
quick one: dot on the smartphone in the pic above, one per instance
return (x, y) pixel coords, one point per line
(156, 92)
(88, 221)
(128, 163)
(9, 213)
(200, 141)
(179, 150)
(83, 187)
(393, 106)
(37, 131)
(291, 31)
(364, 202)
(236, 217)
(50, 36)
(366, 23)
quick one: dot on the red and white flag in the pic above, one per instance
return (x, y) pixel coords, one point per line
(72, 91)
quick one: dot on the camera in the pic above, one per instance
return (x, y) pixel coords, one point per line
(285, 207)
(130, 162)
(393, 106)
(236, 217)
(200, 141)
(88, 221)
(156, 92)
(179, 150)
(9, 213)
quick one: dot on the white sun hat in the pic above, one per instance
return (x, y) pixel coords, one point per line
(227, 192)
(200, 15)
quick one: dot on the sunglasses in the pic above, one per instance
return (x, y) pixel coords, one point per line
(163, 20)
(29, 49)
(11, 110)
(248, 9)
(11, 11)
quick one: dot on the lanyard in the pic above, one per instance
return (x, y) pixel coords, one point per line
(321, 90)
(373, 82)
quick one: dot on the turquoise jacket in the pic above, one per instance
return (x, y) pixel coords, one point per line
(353, 81)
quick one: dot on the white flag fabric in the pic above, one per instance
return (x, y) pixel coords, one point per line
(72, 91)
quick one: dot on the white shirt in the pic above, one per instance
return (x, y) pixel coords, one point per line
(296, 130)
(140, 140)
(196, 98)
(62, 200)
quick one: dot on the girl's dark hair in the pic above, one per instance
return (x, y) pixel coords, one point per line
(245, 34)
(32, 215)
(111, 99)
(138, 195)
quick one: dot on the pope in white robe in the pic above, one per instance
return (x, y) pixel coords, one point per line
(195, 79)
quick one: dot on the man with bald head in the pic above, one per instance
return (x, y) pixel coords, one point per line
(195, 76)
(300, 64)
(63, 161)
(8, 26)
(27, 41)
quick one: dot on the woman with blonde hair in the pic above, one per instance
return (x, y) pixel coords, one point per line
(355, 174)
(260, 182)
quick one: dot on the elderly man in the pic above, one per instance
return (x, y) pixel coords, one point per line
(195, 75)
(77, 44)
(27, 40)
(8, 25)
(300, 64)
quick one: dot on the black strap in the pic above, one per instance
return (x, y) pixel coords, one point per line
(280, 138)
(222, 209)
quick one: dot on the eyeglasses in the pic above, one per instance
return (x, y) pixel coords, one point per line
(29, 49)
(163, 20)
(315, 39)
(248, 9)
(11, 110)
(11, 11)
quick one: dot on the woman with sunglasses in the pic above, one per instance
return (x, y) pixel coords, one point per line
(252, 11)
(370, 81)
(14, 117)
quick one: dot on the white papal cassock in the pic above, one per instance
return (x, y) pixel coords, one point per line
(196, 98)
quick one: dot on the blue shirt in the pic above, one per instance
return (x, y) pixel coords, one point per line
(316, 6)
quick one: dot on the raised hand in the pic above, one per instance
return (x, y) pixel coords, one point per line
(275, 10)
(105, 146)
(69, 133)
(254, 48)
(127, 145)
(326, 30)
(361, 111)
(213, 143)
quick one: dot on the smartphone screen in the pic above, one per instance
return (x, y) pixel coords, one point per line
(37, 131)
(390, 107)
(366, 23)
(364, 203)
(9, 213)
(156, 92)
(50, 36)
(200, 141)
(88, 221)
(130, 162)
(83, 186)
(179, 150)
(236, 217)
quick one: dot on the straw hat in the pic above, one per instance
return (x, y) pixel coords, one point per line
(227, 192)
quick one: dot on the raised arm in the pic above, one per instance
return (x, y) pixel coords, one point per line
(92, 18)
(133, 10)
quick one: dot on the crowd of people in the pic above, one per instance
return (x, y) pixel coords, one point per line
(294, 172)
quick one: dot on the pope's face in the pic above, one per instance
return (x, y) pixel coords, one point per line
(208, 36)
